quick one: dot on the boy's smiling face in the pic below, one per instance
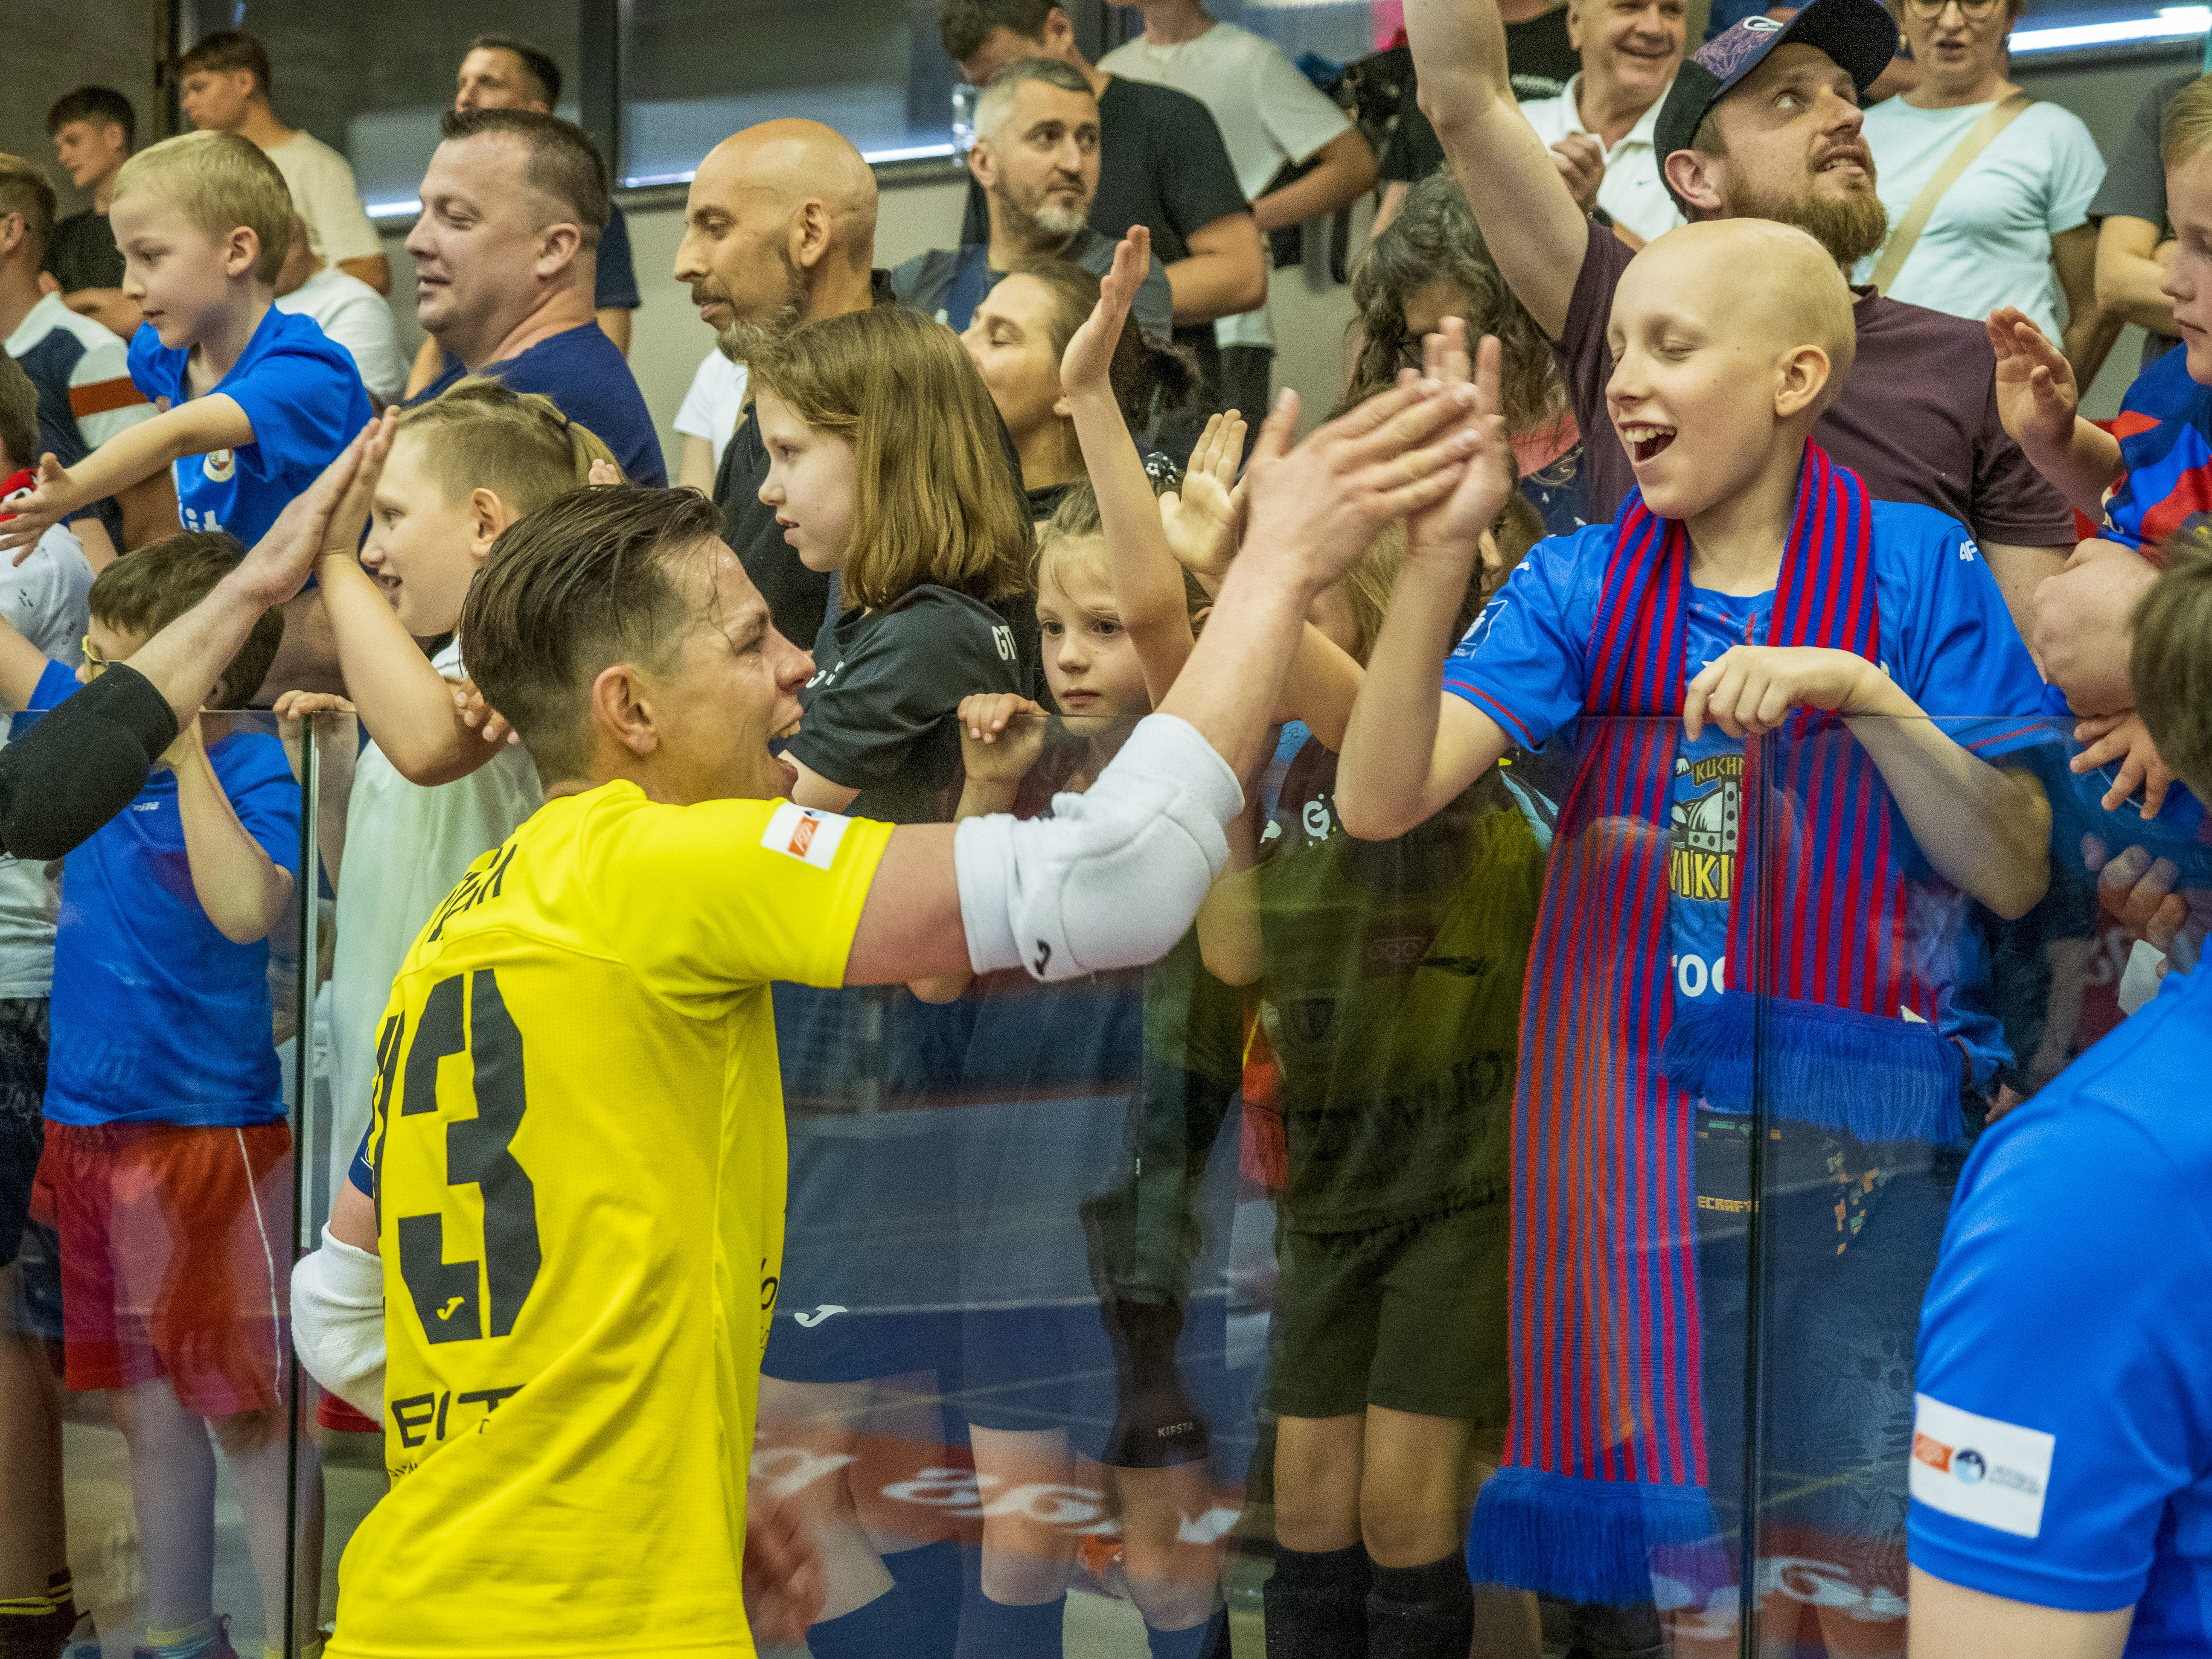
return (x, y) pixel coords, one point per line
(1713, 359)
(177, 273)
(423, 550)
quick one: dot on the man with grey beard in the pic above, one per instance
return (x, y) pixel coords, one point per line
(780, 229)
(1035, 156)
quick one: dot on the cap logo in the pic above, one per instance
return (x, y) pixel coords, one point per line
(1762, 25)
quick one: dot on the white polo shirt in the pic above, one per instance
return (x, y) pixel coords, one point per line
(1633, 192)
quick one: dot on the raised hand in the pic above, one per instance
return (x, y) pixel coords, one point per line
(475, 712)
(1204, 520)
(602, 474)
(2125, 739)
(29, 516)
(1454, 524)
(2037, 397)
(1313, 509)
(350, 516)
(278, 565)
(1090, 354)
(1001, 735)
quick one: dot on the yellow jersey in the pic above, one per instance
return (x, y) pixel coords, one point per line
(579, 1146)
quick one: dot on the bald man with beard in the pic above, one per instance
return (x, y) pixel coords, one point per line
(780, 229)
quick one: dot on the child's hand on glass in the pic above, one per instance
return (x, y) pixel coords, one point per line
(2037, 397)
(29, 516)
(1001, 735)
(1204, 519)
(2125, 739)
(1750, 689)
(1084, 366)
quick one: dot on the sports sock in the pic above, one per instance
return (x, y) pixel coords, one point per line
(878, 1628)
(37, 1626)
(1315, 1603)
(928, 1581)
(1421, 1612)
(1187, 1644)
(992, 1630)
(193, 1641)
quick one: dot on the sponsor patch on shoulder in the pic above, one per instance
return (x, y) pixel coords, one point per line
(803, 833)
(1980, 1468)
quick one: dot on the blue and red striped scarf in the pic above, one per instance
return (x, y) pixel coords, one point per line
(1606, 1457)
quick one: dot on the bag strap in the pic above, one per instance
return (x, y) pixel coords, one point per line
(1899, 247)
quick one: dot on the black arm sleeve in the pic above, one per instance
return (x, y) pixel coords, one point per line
(82, 763)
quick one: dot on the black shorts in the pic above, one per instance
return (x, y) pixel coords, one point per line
(22, 1112)
(1411, 1317)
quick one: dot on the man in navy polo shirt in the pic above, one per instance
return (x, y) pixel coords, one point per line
(2062, 1458)
(504, 255)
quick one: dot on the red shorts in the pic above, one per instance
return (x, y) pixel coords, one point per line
(175, 1258)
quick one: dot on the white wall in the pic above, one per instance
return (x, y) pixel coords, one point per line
(667, 338)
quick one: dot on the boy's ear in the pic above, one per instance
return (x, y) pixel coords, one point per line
(620, 710)
(241, 252)
(488, 516)
(1804, 376)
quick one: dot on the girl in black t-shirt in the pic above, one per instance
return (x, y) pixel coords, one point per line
(1018, 337)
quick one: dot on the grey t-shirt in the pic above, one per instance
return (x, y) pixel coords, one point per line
(2134, 183)
(1917, 419)
(925, 282)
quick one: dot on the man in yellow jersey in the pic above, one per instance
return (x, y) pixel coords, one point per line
(578, 1144)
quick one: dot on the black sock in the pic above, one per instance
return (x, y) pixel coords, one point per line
(928, 1581)
(38, 1626)
(1421, 1612)
(876, 1630)
(1315, 1604)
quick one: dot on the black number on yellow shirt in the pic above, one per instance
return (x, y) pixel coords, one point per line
(478, 1149)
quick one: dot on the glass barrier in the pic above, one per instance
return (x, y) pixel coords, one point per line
(1548, 1194)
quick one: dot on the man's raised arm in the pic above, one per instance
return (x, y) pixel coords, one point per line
(1536, 232)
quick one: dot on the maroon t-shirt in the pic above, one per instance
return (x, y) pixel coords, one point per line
(1917, 419)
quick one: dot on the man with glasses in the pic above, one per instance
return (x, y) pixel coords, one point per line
(2012, 229)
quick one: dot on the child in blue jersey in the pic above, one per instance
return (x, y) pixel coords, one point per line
(256, 402)
(2063, 1429)
(166, 1167)
(1749, 579)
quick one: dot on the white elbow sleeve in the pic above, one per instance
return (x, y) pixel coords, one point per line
(337, 1322)
(1113, 878)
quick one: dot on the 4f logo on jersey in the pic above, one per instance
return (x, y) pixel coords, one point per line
(805, 834)
(478, 1296)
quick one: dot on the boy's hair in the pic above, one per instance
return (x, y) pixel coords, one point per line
(2185, 129)
(964, 25)
(145, 591)
(219, 181)
(24, 190)
(934, 500)
(564, 163)
(226, 50)
(1141, 373)
(1435, 239)
(2171, 661)
(481, 433)
(537, 63)
(19, 418)
(586, 581)
(99, 105)
(1004, 90)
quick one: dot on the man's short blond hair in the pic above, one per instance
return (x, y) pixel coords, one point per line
(219, 181)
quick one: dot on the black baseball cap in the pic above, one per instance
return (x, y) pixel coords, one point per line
(1859, 34)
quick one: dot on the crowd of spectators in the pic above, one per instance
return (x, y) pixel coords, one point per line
(1710, 938)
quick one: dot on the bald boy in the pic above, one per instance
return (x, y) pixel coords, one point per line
(1746, 576)
(779, 229)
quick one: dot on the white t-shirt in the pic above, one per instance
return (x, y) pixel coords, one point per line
(359, 319)
(102, 398)
(406, 848)
(44, 600)
(1270, 115)
(716, 400)
(1633, 192)
(325, 195)
(1988, 242)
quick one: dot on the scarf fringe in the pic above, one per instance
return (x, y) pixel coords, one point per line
(1833, 1068)
(1579, 1541)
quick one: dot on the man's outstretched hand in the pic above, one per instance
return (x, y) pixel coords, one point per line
(280, 563)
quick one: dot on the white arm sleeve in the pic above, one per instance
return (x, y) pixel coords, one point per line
(1113, 878)
(337, 1322)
